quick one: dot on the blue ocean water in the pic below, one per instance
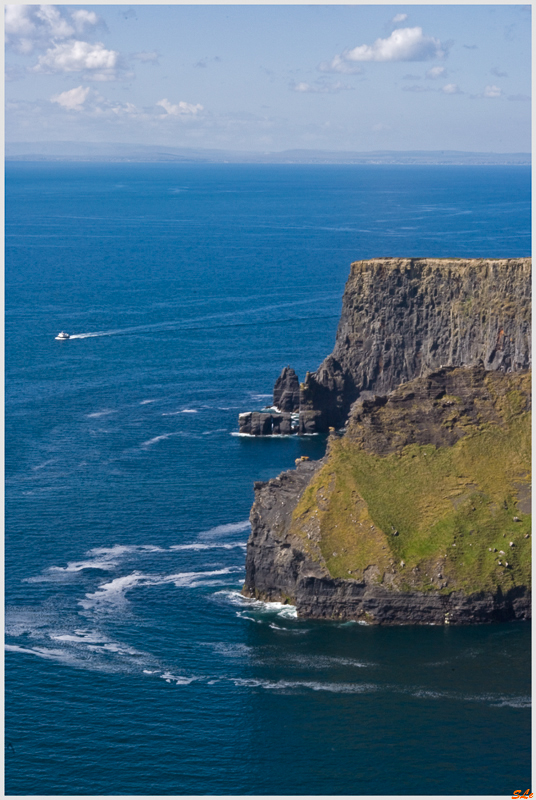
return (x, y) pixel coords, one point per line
(133, 664)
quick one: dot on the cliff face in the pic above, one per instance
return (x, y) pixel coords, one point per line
(402, 317)
(419, 513)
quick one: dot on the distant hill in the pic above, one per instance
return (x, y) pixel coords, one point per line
(122, 152)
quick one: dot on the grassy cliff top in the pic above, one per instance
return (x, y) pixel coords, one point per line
(430, 488)
(442, 264)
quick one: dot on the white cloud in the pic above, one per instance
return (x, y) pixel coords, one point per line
(45, 27)
(73, 99)
(338, 64)
(78, 56)
(57, 26)
(32, 26)
(127, 109)
(17, 21)
(180, 109)
(492, 91)
(451, 88)
(83, 18)
(92, 105)
(404, 44)
(399, 18)
(320, 88)
(436, 72)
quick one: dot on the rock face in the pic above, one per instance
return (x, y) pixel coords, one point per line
(402, 317)
(287, 391)
(262, 423)
(408, 517)
(420, 512)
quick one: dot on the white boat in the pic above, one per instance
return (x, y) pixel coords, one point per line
(63, 335)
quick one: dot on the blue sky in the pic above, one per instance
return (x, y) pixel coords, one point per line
(272, 77)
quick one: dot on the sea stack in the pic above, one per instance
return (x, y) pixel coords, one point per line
(287, 391)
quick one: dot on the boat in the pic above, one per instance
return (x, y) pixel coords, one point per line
(63, 335)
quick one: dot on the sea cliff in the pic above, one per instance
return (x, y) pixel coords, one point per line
(420, 510)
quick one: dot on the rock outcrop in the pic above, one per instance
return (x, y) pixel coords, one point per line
(287, 391)
(402, 317)
(266, 423)
(420, 512)
(411, 517)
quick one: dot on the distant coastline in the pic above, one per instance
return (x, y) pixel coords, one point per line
(118, 152)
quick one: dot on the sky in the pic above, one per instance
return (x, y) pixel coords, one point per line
(271, 77)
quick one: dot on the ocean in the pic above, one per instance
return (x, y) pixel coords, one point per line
(133, 664)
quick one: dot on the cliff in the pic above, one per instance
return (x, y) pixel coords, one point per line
(420, 512)
(402, 317)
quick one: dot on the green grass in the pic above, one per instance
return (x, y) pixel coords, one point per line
(449, 505)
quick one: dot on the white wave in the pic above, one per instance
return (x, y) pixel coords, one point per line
(44, 464)
(109, 656)
(78, 566)
(257, 396)
(325, 662)
(79, 637)
(156, 439)
(123, 549)
(223, 530)
(284, 610)
(217, 430)
(315, 686)
(103, 558)
(270, 435)
(146, 402)
(114, 647)
(171, 413)
(104, 413)
(41, 652)
(178, 680)
(189, 411)
(112, 595)
(243, 615)
(288, 611)
(515, 702)
(201, 546)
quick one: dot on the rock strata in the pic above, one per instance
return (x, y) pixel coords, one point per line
(402, 317)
